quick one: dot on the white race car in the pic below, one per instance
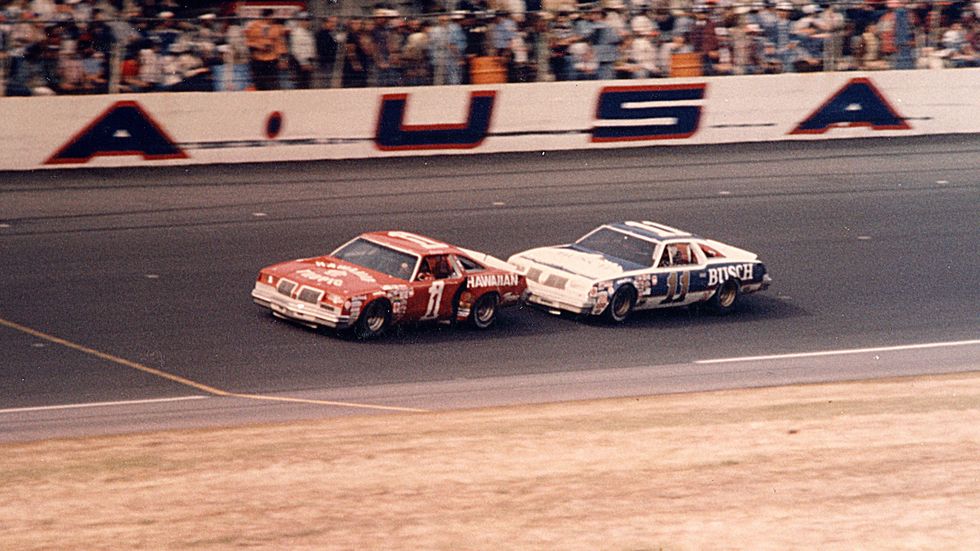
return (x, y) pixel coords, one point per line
(625, 266)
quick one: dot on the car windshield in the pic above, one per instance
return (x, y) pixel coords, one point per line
(620, 245)
(377, 257)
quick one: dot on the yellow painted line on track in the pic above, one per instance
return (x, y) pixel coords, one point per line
(188, 382)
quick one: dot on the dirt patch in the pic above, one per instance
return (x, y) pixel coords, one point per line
(888, 464)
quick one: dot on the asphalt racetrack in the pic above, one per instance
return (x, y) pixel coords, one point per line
(131, 287)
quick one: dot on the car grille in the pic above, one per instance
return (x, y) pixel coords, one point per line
(286, 287)
(310, 295)
(533, 274)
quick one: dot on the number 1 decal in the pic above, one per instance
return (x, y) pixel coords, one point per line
(435, 298)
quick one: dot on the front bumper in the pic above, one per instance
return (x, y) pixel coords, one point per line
(298, 310)
(542, 295)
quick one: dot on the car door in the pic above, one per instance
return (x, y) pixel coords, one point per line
(434, 288)
(680, 274)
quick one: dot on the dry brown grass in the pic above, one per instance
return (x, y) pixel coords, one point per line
(887, 465)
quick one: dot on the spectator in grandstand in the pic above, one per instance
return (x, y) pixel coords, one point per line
(502, 30)
(150, 67)
(302, 51)
(328, 42)
(637, 58)
(766, 16)
(958, 48)
(387, 40)
(414, 55)
(231, 70)
(663, 18)
(724, 62)
(562, 36)
(94, 69)
(358, 52)
(129, 76)
(266, 40)
(703, 39)
(476, 32)
(871, 59)
(828, 28)
(641, 24)
(583, 60)
(781, 36)
(607, 35)
(71, 77)
(519, 56)
(446, 45)
(804, 53)
(538, 39)
(188, 71)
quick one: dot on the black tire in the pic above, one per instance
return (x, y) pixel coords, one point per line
(484, 312)
(620, 305)
(374, 320)
(726, 297)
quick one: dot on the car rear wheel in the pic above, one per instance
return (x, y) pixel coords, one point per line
(374, 320)
(620, 305)
(726, 297)
(484, 312)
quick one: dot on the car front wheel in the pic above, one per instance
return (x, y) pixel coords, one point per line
(374, 320)
(620, 305)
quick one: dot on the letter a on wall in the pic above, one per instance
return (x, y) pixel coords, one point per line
(394, 135)
(858, 103)
(123, 129)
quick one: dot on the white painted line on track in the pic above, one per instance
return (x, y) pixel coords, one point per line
(841, 352)
(103, 404)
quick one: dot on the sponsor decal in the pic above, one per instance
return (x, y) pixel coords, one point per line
(858, 103)
(324, 279)
(125, 128)
(341, 270)
(492, 280)
(393, 134)
(723, 273)
(631, 103)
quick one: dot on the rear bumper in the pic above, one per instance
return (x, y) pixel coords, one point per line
(297, 310)
(755, 287)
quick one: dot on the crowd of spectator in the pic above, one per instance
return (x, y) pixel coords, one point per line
(100, 46)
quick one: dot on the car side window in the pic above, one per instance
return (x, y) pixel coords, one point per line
(436, 266)
(678, 254)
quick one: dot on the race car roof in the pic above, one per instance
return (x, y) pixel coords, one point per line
(650, 230)
(411, 242)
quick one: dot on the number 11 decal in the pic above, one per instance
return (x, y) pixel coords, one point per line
(675, 292)
(435, 298)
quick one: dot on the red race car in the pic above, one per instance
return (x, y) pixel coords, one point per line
(381, 278)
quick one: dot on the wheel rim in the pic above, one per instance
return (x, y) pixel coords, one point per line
(621, 305)
(484, 312)
(726, 297)
(375, 319)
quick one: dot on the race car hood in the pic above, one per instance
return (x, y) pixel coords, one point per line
(576, 261)
(332, 275)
